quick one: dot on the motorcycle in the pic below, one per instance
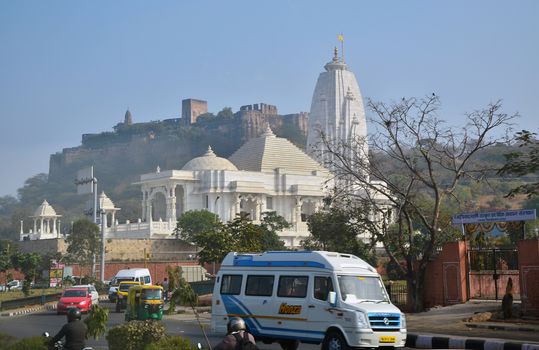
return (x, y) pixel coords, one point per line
(59, 345)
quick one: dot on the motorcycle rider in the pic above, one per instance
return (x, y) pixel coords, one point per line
(236, 330)
(74, 331)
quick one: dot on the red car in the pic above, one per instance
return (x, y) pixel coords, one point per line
(74, 297)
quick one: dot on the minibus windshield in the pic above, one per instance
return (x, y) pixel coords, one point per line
(357, 289)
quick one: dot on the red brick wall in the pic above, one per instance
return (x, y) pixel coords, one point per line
(17, 275)
(157, 269)
(482, 284)
(445, 281)
(528, 263)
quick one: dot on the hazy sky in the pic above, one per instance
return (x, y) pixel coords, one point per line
(73, 67)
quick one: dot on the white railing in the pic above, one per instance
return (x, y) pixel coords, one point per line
(141, 230)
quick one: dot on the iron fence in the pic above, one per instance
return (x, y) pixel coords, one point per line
(493, 259)
(203, 287)
(397, 293)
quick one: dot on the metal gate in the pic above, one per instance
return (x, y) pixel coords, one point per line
(489, 272)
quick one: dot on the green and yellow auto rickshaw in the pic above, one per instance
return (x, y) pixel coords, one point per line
(144, 303)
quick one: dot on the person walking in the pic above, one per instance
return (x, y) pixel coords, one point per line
(165, 289)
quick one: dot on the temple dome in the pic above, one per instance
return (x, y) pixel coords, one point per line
(45, 210)
(269, 152)
(209, 161)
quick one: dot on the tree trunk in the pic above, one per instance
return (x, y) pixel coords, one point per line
(414, 287)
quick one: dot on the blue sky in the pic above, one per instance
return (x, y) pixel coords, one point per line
(73, 67)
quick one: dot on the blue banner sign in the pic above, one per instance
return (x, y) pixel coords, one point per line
(494, 216)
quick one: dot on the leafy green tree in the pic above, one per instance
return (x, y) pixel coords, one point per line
(83, 243)
(27, 263)
(335, 230)
(225, 113)
(34, 189)
(216, 239)
(205, 118)
(194, 222)
(214, 244)
(7, 249)
(523, 162)
(271, 224)
(7, 205)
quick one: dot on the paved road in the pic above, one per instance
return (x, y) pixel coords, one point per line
(183, 325)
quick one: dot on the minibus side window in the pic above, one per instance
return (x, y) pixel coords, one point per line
(146, 279)
(259, 285)
(231, 284)
(292, 286)
(322, 287)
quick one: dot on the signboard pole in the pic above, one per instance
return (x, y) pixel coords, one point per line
(102, 247)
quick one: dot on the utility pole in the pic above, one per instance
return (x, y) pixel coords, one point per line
(87, 183)
(102, 268)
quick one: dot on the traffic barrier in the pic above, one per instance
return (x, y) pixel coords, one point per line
(419, 341)
(36, 300)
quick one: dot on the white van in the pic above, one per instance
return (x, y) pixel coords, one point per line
(312, 297)
(141, 275)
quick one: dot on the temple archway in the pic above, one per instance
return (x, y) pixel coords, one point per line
(159, 207)
(307, 209)
(179, 193)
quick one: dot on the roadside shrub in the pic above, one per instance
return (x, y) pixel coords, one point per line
(171, 343)
(32, 343)
(135, 335)
(97, 321)
(6, 340)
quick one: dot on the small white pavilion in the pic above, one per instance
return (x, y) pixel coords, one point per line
(107, 208)
(46, 223)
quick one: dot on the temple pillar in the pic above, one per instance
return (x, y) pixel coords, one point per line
(258, 207)
(144, 199)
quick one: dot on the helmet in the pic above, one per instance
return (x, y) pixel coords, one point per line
(73, 314)
(235, 324)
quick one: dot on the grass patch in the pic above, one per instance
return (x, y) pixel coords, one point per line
(18, 294)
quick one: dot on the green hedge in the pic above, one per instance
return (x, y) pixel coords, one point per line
(6, 340)
(32, 343)
(135, 335)
(171, 343)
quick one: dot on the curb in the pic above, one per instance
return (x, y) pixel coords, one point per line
(434, 342)
(29, 310)
(502, 327)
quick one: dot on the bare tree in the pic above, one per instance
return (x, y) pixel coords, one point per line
(523, 162)
(406, 170)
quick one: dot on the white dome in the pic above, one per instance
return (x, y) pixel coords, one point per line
(209, 161)
(105, 203)
(45, 210)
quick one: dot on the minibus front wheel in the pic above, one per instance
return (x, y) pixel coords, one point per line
(334, 340)
(289, 344)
